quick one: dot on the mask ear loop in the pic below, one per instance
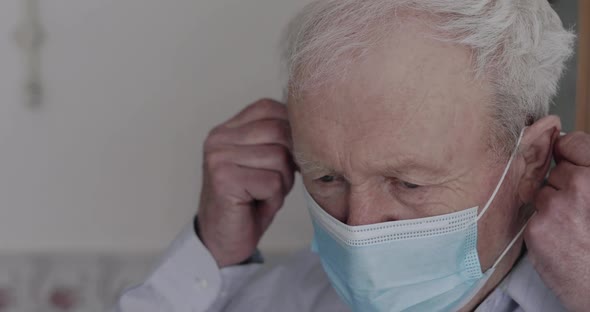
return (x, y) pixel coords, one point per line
(523, 227)
(512, 156)
(513, 241)
(519, 234)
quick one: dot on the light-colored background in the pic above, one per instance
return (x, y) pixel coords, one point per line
(111, 159)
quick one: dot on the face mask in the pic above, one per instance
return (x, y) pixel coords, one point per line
(427, 264)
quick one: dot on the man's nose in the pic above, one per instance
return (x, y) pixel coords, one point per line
(370, 207)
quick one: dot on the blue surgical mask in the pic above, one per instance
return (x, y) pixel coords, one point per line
(427, 264)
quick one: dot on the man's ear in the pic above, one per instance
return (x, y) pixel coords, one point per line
(536, 149)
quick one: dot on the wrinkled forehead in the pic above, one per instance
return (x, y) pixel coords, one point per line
(412, 97)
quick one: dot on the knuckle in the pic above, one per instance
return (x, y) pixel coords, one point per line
(278, 158)
(579, 135)
(576, 140)
(221, 175)
(213, 136)
(275, 183)
(213, 159)
(266, 104)
(582, 147)
(278, 130)
(572, 137)
(281, 155)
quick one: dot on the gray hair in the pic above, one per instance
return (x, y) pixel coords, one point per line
(521, 45)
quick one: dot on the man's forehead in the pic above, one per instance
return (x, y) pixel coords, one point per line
(400, 109)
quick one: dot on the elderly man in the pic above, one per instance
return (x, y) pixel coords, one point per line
(422, 134)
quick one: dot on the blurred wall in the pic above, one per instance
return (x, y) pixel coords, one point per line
(111, 159)
(565, 102)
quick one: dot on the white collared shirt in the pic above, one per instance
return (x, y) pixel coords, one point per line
(187, 279)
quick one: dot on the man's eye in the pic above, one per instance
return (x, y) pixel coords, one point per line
(327, 179)
(409, 185)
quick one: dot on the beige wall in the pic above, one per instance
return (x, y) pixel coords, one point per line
(111, 160)
(565, 102)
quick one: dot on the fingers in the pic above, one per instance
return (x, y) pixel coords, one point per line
(271, 157)
(261, 109)
(545, 199)
(248, 171)
(261, 185)
(562, 176)
(264, 187)
(246, 185)
(265, 131)
(575, 148)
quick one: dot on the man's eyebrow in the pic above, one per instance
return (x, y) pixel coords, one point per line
(409, 165)
(402, 167)
(307, 164)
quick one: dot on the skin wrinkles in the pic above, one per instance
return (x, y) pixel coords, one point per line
(435, 197)
(410, 112)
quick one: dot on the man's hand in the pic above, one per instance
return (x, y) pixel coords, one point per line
(558, 237)
(248, 171)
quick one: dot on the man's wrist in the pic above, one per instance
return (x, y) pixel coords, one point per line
(256, 257)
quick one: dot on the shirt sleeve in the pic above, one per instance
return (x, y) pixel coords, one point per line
(186, 279)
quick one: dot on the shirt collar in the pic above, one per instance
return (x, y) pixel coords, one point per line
(524, 285)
